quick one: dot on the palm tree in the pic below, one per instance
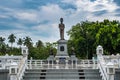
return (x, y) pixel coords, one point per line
(39, 44)
(2, 45)
(20, 42)
(2, 40)
(11, 39)
(28, 42)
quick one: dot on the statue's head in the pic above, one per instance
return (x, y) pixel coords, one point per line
(61, 20)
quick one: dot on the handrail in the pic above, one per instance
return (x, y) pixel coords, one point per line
(21, 69)
(70, 64)
(102, 70)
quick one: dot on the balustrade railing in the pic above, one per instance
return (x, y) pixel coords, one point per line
(102, 68)
(44, 64)
(21, 68)
(103, 60)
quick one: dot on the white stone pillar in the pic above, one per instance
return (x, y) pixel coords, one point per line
(88, 63)
(99, 50)
(72, 64)
(83, 63)
(30, 63)
(66, 66)
(52, 64)
(76, 63)
(48, 64)
(24, 51)
(110, 71)
(93, 60)
(57, 66)
(119, 62)
(35, 63)
(13, 70)
(41, 63)
(118, 55)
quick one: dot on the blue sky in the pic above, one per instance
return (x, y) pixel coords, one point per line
(39, 19)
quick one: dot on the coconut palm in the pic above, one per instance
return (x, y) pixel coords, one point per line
(20, 42)
(12, 38)
(2, 40)
(27, 42)
(39, 44)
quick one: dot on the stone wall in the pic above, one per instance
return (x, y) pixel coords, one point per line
(117, 74)
(4, 74)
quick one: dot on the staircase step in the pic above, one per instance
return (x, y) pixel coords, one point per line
(62, 74)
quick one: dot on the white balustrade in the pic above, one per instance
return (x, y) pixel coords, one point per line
(44, 64)
(107, 64)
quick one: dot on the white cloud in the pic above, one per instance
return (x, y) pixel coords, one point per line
(52, 12)
(87, 5)
(85, 9)
(28, 16)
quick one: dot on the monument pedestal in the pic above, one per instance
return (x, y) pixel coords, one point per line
(62, 52)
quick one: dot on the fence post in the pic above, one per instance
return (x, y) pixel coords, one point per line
(76, 63)
(52, 64)
(110, 71)
(57, 66)
(48, 64)
(66, 66)
(13, 71)
(31, 63)
(72, 64)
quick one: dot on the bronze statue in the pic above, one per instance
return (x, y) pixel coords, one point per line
(61, 28)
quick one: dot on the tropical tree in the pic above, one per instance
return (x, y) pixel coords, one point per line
(39, 44)
(51, 46)
(109, 36)
(28, 42)
(85, 36)
(2, 40)
(20, 42)
(12, 38)
(81, 39)
(2, 46)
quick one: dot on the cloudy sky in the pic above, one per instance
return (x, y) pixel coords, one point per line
(39, 19)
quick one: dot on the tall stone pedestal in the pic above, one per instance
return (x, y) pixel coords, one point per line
(62, 52)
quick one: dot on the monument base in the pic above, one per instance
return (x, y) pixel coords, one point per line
(62, 54)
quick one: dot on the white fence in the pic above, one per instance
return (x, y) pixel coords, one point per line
(44, 64)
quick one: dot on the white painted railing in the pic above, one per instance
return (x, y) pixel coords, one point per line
(5, 61)
(44, 64)
(102, 67)
(103, 60)
(21, 68)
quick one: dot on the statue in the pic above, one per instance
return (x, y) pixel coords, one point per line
(61, 28)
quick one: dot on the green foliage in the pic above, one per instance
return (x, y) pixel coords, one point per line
(20, 42)
(12, 38)
(41, 51)
(28, 42)
(85, 36)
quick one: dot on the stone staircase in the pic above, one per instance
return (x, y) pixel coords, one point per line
(62, 74)
(117, 74)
